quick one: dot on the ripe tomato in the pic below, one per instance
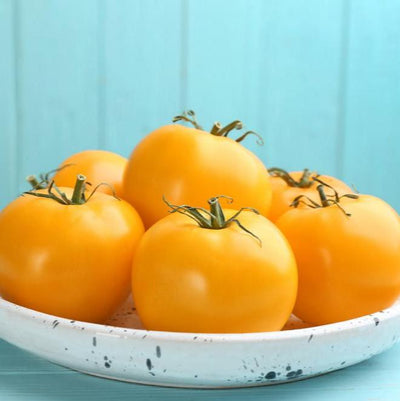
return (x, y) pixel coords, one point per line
(287, 186)
(189, 165)
(349, 266)
(72, 261)
(99, 166)
(190, 278)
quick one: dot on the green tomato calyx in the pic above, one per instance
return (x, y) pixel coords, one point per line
(78, 195)
(305, 181)
(213, 219)
(326, 200)
(217, 129)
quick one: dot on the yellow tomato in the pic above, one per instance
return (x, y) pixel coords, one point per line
(69, 260)
(99, 166)
(349, 265)
(189, 165)
(188, 278)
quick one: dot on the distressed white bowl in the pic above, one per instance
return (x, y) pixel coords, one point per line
(130, 353)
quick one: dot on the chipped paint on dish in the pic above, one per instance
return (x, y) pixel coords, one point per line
(122, 350)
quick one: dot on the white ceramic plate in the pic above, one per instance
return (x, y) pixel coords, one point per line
(124, 351)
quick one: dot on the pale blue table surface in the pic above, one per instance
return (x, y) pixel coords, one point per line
(27, 377)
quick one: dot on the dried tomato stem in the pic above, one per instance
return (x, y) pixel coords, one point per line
(322, 196)
(78, 196)
(34, 182)
(217, 215)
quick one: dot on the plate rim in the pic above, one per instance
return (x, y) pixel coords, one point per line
(360, 322)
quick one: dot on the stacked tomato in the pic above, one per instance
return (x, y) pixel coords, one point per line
(206, 238)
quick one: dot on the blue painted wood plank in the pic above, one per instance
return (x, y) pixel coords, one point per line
(375, 379)
(276, 65)
(223, 64)
(8, 120)
(371, 157)
(143, 69)
(302, 87)
(58, 75)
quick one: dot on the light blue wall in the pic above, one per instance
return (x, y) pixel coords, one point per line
(319, 79)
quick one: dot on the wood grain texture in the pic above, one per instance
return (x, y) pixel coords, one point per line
(301, 83)
(276, 66)
(142, 69)
(58, 82)
(371, 153)
(8, 109)
(224, 64)
(32, 379)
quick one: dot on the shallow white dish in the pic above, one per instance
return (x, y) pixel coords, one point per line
(130, 353)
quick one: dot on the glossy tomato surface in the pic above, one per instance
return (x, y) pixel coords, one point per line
(72, 261)
(349, 266)
(99, 166)
(187, 166)
(192, 279)
(284, 194)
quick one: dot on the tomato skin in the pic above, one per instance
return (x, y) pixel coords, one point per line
(72, 261)
(98, 166)
(348, 266)
(188, 166)
(283, 194)
(191, 279)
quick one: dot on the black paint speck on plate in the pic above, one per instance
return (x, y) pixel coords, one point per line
(270, 375)
(294, 373)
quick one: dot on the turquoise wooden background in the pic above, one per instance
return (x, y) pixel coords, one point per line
(319, 79)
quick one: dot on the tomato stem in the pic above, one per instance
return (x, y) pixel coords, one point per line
(322, 195)
(45, 179)
(305, 181)
(215, 128)
(34, 182)
(78, 196)
(217, 214)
